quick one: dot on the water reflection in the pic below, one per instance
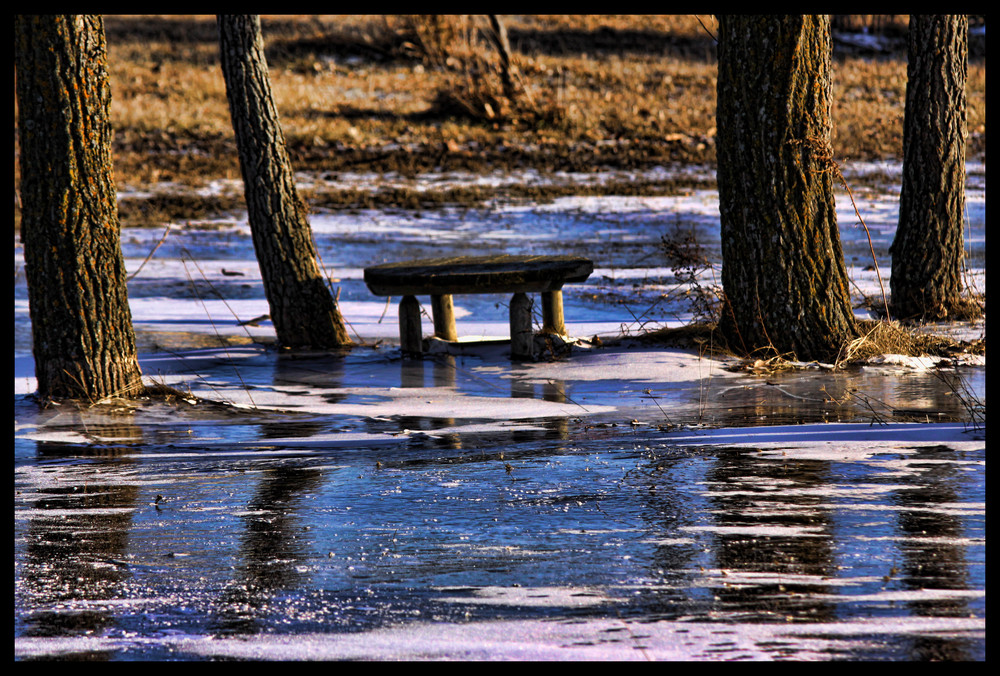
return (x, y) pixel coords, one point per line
(334, 541)
(772, 537)
(325, 371)
(771, 522)
(932, 557)
(273, 549)
(671, 510)
(77, 537)
(793, 397)
(77, 547)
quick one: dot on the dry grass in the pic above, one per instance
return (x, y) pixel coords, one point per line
(891, 337)
(877, 338)
(387, 93)
(626, 91)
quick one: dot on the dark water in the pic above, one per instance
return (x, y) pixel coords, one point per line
(147, 552)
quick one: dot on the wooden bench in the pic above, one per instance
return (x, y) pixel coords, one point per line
(440, 278)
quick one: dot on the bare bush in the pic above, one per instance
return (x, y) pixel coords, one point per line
(482, 76)
(689, 263)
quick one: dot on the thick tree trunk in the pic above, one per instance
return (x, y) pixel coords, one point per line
(302, 309)
(783, 271)
(83, 341)
(927, 251)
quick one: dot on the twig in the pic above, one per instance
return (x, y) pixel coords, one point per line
(336, 299)
(388, 299)
(870, 246)
(199, 376)
(150, 255)
(640, 322)
(823, 154)
(716, 39)
(876, 418)
(214, 291)
(793, 395)
(562, 392)
(972, 403)
(222, 341)
(651, 396)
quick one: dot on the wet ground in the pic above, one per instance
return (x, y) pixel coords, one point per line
(621, 502)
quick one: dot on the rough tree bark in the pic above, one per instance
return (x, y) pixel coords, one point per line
(783, 270)
(927, 250)
(81, 324)
(302, 309)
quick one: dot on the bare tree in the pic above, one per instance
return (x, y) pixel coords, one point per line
(83, 340)
(927, 250)
(499, 37)
(783, 270)
(304, 312)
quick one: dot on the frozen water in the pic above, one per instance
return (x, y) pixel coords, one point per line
(623, 502)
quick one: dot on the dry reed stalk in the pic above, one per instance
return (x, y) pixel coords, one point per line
(822, 152)
(222, 341)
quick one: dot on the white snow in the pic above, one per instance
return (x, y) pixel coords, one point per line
(590, 382)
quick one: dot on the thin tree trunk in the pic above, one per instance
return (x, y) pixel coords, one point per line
(302, 309)
(783, 270)
(503, 48)
(81, 324)
(927, 250)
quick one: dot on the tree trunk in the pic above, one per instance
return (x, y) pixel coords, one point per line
(81, 324)
(783, 270)
(502, 44)
(927, 250)
(302, 309)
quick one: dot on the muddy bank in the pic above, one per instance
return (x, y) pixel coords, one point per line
(178, 157)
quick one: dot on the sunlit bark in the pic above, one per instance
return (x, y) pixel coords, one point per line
(783, 271)
(927, 251)
(302, 309)
(83, 341)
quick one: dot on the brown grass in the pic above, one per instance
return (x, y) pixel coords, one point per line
(877, 338)
(371, 93)
(890, 337)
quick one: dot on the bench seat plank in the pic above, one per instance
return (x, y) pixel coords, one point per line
(477, 274)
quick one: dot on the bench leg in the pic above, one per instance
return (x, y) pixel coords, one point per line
(521, 336)
(552, 313)
(410, 330)
(443, 311)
